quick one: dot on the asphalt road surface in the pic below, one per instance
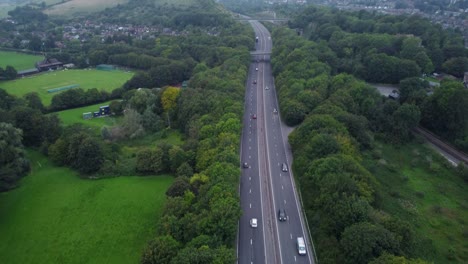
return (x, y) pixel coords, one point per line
(265, 187)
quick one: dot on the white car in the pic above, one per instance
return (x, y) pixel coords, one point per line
(253, 222)
(256, 69)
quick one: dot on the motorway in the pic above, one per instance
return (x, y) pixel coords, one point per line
(264, 187)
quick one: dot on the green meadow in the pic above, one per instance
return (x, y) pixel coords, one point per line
(73, 116)
(420, 187)
(57, 217)
(86, 79)
(19, 61)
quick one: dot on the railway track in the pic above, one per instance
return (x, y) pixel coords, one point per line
(429, 136)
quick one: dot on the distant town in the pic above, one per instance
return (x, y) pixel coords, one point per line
(453, 15)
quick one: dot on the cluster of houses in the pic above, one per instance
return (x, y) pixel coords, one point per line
(448, 19)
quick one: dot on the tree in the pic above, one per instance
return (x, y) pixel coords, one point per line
(456, 66)
(321, 146)
(31, 122)
(412, 90)
(364, 241)
(184, 170)
(13, 162)
(169, 101)
(445, 111)
(160, 250)
(405, 118)
(176, 157)
(150, 160)
(223, 218)
(151, 121)
(190, 255)
(89, 157)
(293, 112)
(116, 107)
(58, 152)
(9, 73)
(392, 259)
(132, 124)
(178, 187)
(34, 101)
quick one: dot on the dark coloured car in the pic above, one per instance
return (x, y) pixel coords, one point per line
(246, 165)
(255, 81)
(282, 215)
(254, 116)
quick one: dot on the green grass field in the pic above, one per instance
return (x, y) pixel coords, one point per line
(56, 217)
(74, 7)
(102, 80)
(20, 61)
(4, 8)
(418, 186)
(73, 116)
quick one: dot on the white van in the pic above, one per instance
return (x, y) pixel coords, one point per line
(301, 248)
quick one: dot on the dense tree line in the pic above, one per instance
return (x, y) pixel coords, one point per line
(391, 49)
(201, 215)
(383, 48)
(337, 118)
(22, 124)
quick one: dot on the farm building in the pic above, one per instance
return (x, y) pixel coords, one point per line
(27, 72)
(103, 111)
(88, 115)
(48, 64)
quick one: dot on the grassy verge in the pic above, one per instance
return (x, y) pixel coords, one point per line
(20, 61)
(86, 79)
(56, 217)
(419, 186)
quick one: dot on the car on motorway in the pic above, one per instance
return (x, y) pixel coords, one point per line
(275, 111)
(266, 88)
(245, 165)
(284, 167)
(255, 81)
(256, 68)
(301, 246)
(282, 215)
(253, 222)
(254, 116)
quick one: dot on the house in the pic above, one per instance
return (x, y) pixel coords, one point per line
(48, 64)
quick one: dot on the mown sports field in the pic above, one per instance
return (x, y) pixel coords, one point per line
(86, 79)
(19, 61)
(57, 217)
